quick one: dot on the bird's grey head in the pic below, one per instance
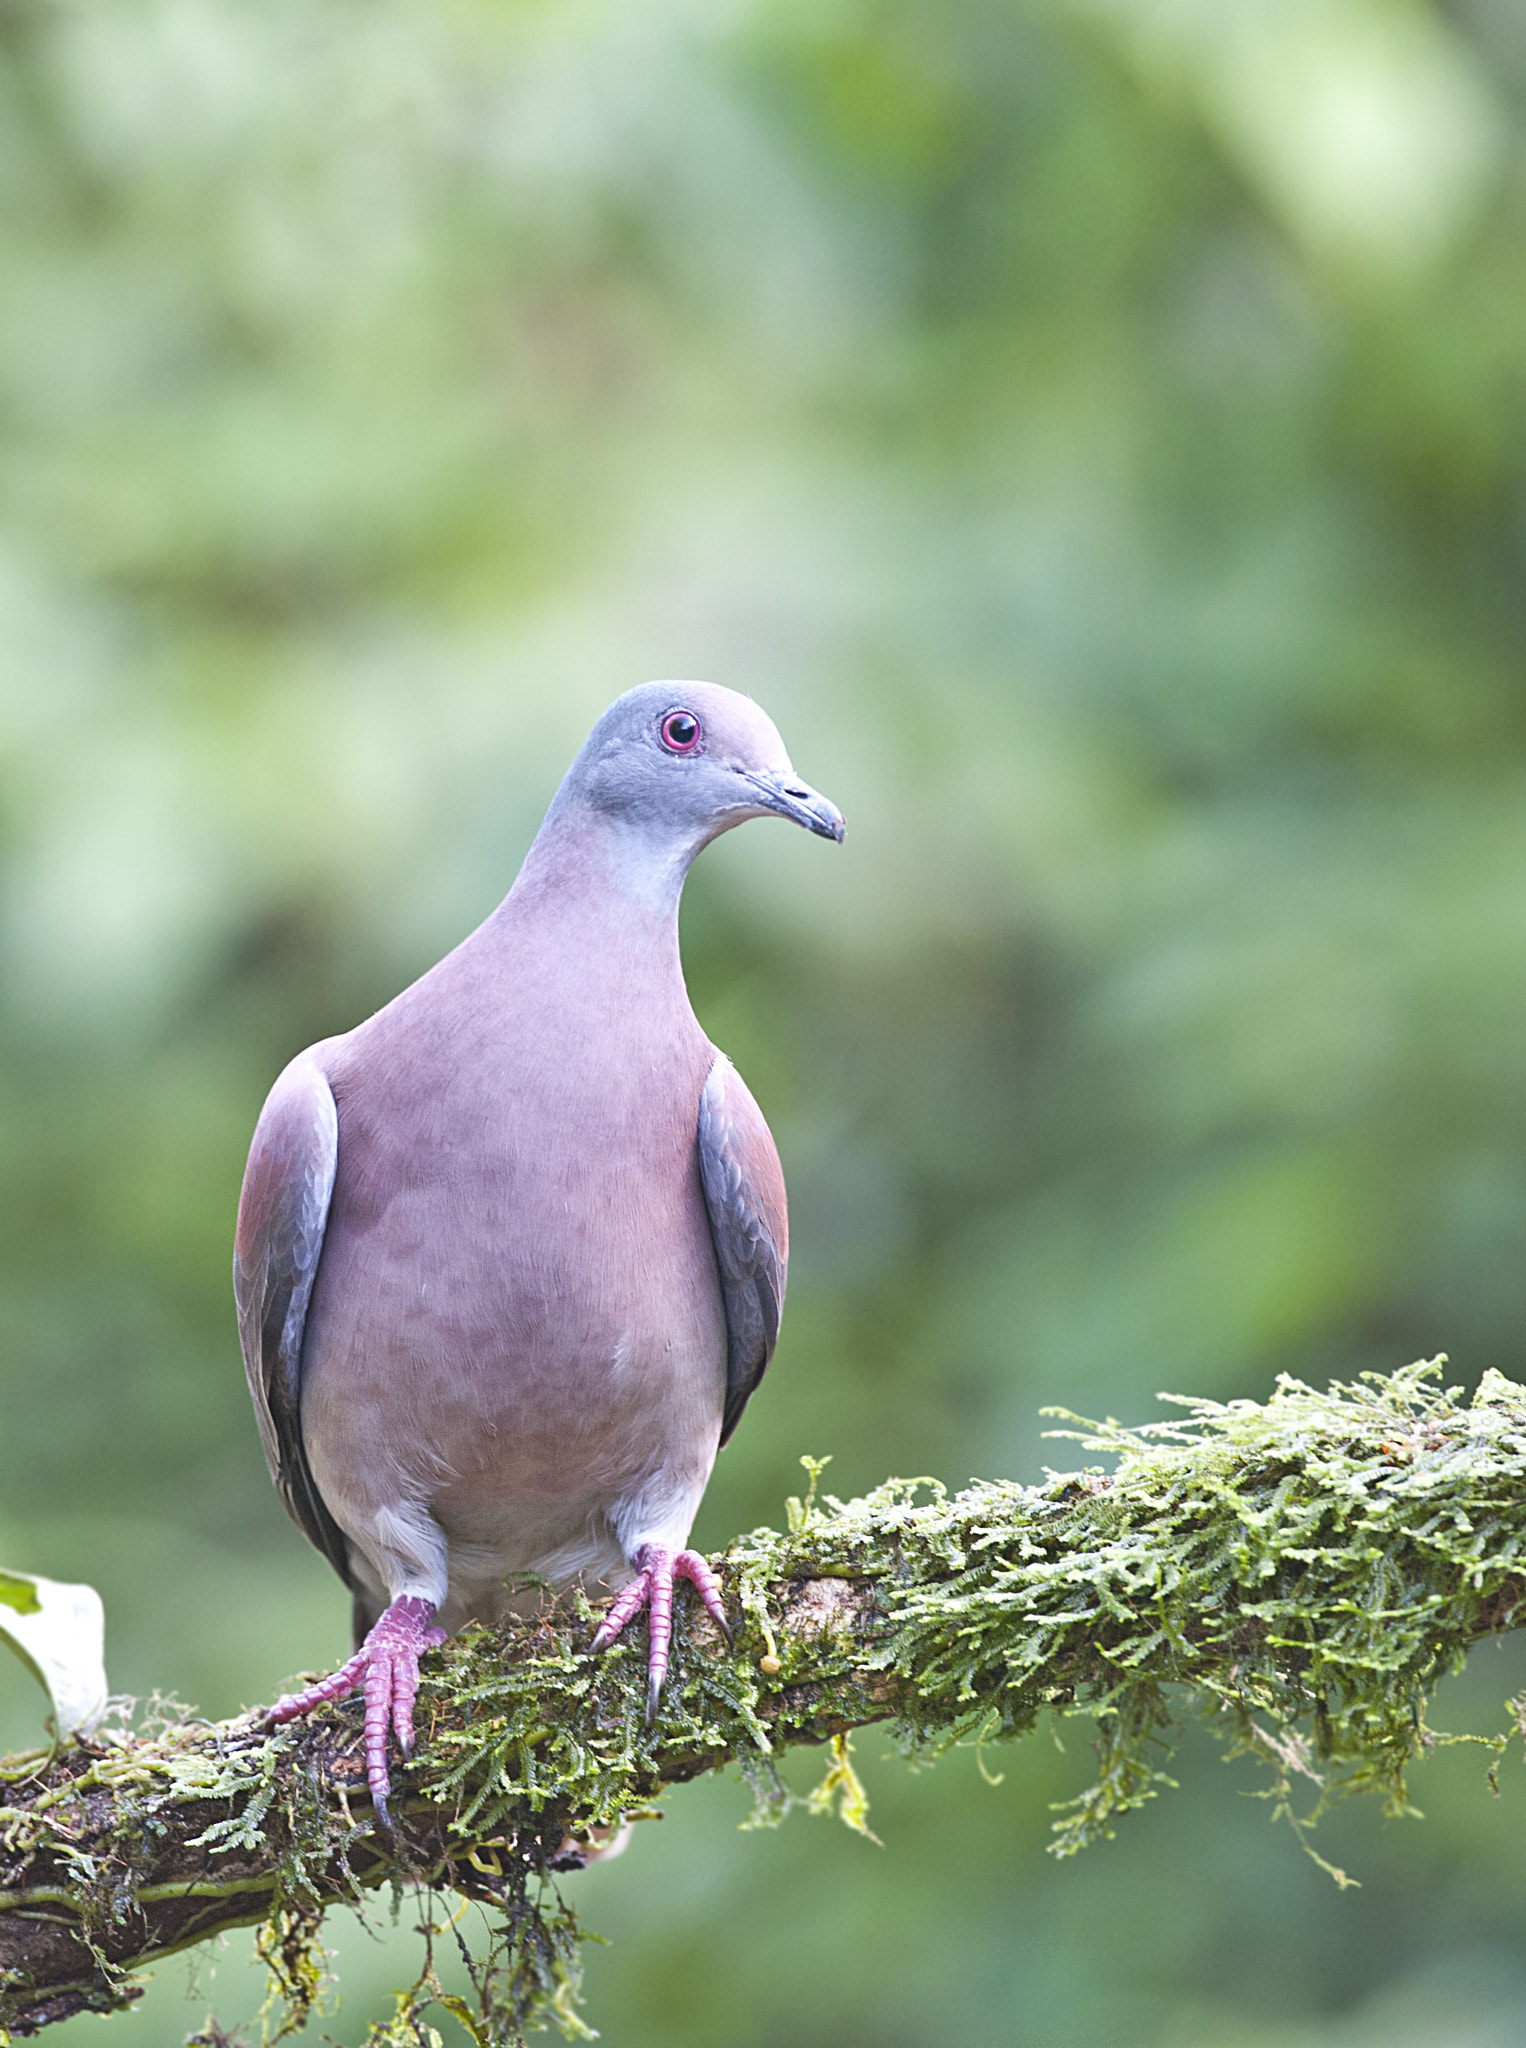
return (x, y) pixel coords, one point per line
(670, 766)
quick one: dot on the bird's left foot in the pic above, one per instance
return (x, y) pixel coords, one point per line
(387, 1665)
(652, 1588)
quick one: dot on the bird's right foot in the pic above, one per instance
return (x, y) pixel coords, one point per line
(387, 1665)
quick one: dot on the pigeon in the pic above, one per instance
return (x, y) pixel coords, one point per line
(511, 1254)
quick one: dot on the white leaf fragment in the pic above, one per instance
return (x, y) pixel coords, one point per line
(59, 1631)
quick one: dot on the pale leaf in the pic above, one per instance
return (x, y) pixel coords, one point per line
(59, 1632)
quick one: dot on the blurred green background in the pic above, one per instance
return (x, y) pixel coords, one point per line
(1096, 430)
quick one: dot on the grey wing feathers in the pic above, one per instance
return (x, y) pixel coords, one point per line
(744, 1197)
(282, 1214)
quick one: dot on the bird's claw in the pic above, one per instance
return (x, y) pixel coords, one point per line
(657, 1571)
(387, 1665)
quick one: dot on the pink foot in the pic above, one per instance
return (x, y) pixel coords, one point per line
(652, 1588)
(387, 1664)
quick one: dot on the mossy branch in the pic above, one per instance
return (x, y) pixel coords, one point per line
(1299, 1572)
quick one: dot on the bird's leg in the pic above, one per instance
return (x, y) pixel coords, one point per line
(387, 1665)
(652, 1588)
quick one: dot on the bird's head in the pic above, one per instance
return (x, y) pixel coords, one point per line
(677, 764)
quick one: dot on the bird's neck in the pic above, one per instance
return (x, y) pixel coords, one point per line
(589, 956)
(627, 861)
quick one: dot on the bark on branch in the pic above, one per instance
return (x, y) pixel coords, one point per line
(1300, 1572)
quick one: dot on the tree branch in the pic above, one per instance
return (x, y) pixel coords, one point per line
(1299, 1572)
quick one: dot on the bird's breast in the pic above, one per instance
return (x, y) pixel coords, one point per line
(518, 1314)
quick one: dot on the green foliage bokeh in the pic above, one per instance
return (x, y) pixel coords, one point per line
(1096, 430)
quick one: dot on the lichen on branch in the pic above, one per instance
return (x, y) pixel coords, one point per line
(1300, 1573)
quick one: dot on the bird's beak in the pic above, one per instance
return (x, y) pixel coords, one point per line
(796, 800)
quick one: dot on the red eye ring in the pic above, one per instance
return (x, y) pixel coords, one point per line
(681, 732)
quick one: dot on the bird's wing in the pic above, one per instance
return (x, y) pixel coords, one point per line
(282, 1213)
(744, 1195)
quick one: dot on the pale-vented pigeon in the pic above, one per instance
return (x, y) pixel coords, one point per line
(511, 1254)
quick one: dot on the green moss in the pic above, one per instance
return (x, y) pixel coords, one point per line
(1298, 1573)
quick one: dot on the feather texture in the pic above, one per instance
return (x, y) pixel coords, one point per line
(282, 1215)
(744, 1199)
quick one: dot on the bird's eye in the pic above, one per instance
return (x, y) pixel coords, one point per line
(680, 732)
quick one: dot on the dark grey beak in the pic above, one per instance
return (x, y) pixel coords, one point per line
(802, 805)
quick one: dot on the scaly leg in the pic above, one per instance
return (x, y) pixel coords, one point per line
(387, 1664)
(652, 1588)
